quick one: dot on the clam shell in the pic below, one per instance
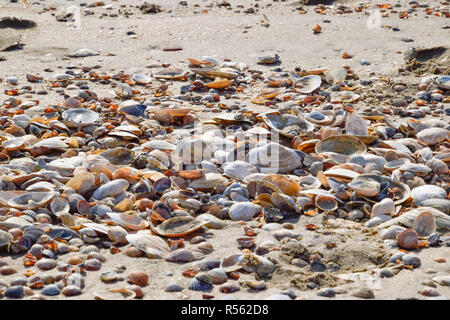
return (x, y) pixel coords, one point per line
(238, 169)
(284, 202)
(129, 221)
(171, 74)
(243, 211)
(82, 182)
(307, 84)
(5, 238)
(208, 182)
(79, 117)
(153, 246)
(443, 82)
(367, 188)
(119, 156)
(141, 78)
(309, 182)
(25, 200)
(439, 204)
(274, 158)
(213, 73)
(286, 124)
(59, 205)
(284, 184)
(326, 203)
(178, 226)
(384, 207)
(408, 239)
(424, 224)
(432, 136)
(343, 144)
(422, 193)
(180, 256)
(355, 125)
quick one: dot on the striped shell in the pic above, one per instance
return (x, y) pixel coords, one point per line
(199, 285)
(364, 293)
(117, 234)
(181, 255)
(204, 247)
(217, 275)
(139, 278)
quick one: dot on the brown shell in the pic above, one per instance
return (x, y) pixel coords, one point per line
(424, 224)
(139, 278)
(343, 144)
(178, 226)
(408, 239)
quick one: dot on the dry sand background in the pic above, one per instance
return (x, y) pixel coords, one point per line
(239, 37)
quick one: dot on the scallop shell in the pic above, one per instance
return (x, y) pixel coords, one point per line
(130, 221)
(343, 144)
(79, 117)
(424, 224)
(408, 239)
(326, 203)
(178, 226)
(286, 124)
(153, 246)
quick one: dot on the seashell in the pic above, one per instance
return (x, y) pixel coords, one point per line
(46, 264)
(58, 206)
(229, 288)
(426, 192)
(415, 168)
(284, 184)
(424, 224)
(269, 59)
(274, 158)
(286, 124)
(397, 164)
(384, 207)
(139, 278)
(238, 169)
(153, 246)
(7, 270)
(118, 156)
(219, 84)
(367, 188)
(341, 174)
(128, 220)
(213, 222)
(92, 264)
(180, 256)
(432, 136)
(79, 117)
(437, 166)
(443, 82)
(326, 203)
(307, 84)
(204, 247)
(364, 293)
(17, 143)
(404, 192)
(391, 233)
(309, 182)
(208, 182)
(257, 264)
(117, 234)
(343, 144)
(318, 118)
(178, 226)
(408, 239)
(243, 211)
(199, 285)
(355, 125)
(25, 200)
(246, 242)
(141, 78)
(81, 183)
(133, 252)
(217, 276)
(284, 203)
(110, 189)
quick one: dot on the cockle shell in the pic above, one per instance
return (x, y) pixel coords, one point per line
(217, 276)
(408, 239)
(139, 278)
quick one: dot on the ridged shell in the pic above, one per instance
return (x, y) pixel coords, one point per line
(199, 285)
(364, 293)
(408, 239)
(204, 247)
(139, 278)
(217, 276)
(181, 256)
(117, 234)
